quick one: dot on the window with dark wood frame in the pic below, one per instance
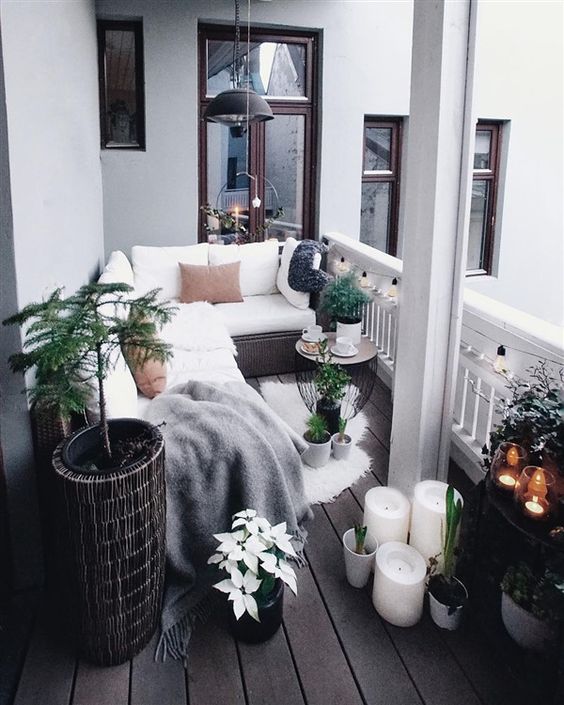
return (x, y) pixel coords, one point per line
(121, 84)
(484, 197)
(293, 131)
(380, 183)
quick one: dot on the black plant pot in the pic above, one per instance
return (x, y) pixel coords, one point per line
(112, 542)
(270, 615)
(331, 412)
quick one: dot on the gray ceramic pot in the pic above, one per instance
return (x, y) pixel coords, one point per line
(317, 454)
(341, 451)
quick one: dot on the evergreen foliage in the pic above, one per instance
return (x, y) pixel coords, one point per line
(343, 299)
(316, 429)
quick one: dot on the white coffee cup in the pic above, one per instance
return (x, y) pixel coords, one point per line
(345, 346)
(313, 333)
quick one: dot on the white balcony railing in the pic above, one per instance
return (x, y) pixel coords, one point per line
(486, 324)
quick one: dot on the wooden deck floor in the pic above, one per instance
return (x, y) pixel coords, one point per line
(333, 648)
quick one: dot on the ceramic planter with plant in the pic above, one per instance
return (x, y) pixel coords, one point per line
(342, 442)
(318, 439)
(532, 607)
(343, 300)
(330, 382)
(447, 595)
(254, 554)
(359, 551)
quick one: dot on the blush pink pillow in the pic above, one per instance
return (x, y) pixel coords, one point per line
(217, 284)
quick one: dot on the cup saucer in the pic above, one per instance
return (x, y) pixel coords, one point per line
(312, 339)
(338, 353)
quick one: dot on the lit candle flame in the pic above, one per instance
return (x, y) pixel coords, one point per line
(512, 456)
(537, 485)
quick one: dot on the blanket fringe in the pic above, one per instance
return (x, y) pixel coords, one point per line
(300, 536)
(174, 641)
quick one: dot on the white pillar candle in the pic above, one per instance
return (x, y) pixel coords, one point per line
(428, 512)
(399, 584)
(386, 514)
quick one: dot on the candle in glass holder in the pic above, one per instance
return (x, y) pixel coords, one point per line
(507, 464)
(534, 493)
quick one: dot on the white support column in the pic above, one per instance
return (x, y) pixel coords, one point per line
(437, 207)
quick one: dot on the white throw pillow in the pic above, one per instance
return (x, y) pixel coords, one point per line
(299, 299)
(157, 267)
(259, 265)
(120, 391)
(117, 270)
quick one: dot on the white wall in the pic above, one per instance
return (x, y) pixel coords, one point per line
(152, 197)
(519, 77)
(51, 196)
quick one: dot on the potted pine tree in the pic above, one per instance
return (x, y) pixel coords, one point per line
(343, 300)
(109, 477)
(318, 440)
(447, 595)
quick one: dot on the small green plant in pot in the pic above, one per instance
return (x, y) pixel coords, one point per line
(447, 595)
(342, 442)
(331, 382)
(343, 300)
(319, 442)
(532, 606)
(359, 550)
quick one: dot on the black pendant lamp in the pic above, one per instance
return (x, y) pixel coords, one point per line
(238, 107)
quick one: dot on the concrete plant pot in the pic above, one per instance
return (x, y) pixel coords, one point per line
(358, 566)
(528, 631)
(317, 454)
(341, 450)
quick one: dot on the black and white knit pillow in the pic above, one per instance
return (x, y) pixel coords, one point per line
(301, 274)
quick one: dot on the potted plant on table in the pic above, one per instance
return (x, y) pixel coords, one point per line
(532, 607)
(447, 595)
(359, 551)
(318, 439)
(331, 382)
(342, 442)
(343, 300)
(73, 343)
(254, 554)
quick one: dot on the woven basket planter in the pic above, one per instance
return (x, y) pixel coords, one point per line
(114, 551)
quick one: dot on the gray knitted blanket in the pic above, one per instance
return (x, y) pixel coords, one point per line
(225, 450)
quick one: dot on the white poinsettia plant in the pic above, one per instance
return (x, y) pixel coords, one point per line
(254, 554)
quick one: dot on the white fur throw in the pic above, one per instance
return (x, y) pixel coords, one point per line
(197, 327)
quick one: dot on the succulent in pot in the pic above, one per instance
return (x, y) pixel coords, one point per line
(359, 551)
(342, 442)
(343, 300)
(319, 442)
(331, 382)
(532, 606)
(447, 595)
(254, 554)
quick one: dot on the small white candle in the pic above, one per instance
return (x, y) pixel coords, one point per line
(507, 480)
(399, 584)
(428, 513)
(386, 514)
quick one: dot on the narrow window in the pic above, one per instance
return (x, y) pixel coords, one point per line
(380, 183)
(121, 80)
(484, 192)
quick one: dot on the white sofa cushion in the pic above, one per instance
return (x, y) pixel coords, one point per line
(157, 267)
(197, 327)
(259, 265)
(299, 299)
(264, 314)
(120, 391)
(117, 270)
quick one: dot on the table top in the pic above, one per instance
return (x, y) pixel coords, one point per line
(367, 350)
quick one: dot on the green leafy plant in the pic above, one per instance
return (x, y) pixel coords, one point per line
(330, 379)
(228, 222)
(542, 596)
(342, 429)
(70, 343)
(443, 584)
(360, 538)
(533, 417)
(316, 429)
(343, 299)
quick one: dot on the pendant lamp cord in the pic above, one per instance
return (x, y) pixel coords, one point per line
(236, 49)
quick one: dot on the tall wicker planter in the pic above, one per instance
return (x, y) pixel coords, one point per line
(114, 547)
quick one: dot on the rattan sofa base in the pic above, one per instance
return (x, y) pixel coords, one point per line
(267, 353)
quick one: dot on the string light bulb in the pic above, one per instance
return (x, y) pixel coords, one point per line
(256, 202)
(342, 265)
(364, 283)
(393, 290)
(500, 362)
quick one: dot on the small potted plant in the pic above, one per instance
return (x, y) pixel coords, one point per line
(532, 607)
(447, 595)
(318, 439)
(331, 382)
(342, 442)
(343, 300)
(359, 550)
(254, 554)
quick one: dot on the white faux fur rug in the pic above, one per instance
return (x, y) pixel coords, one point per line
(326, 483)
